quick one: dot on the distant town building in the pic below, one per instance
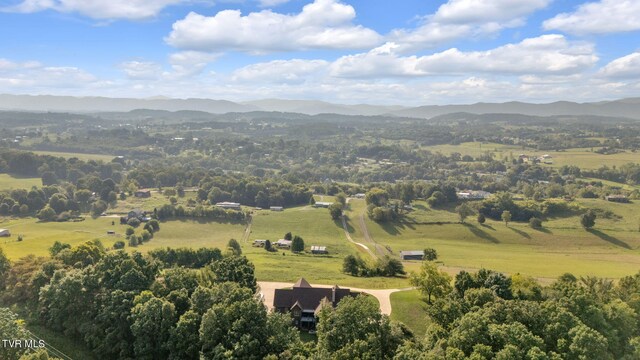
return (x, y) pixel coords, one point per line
(283, 244)
(276, 208)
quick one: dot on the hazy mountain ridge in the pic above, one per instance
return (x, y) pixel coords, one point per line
(623, 108)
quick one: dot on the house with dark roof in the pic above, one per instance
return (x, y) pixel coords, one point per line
(304, 302)
(412, 255)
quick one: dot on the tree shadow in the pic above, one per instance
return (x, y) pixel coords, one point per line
(481, 233)
(350, 228)
(390, 228)
(544, 230)
(488, 226)
(520, 232)
(609, 238)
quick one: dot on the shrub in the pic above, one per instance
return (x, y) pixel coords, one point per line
(535, 223)
(133, 222)
(430, 254)
(118, 245)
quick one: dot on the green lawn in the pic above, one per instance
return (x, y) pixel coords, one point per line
(581, 157)
(409, 308)
(610, 250)
(155, 201)
(315, 226)
(10, 182)
(80, 156)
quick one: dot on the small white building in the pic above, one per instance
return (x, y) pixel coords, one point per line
(319, 249)
(228, 205)
(5, 232)
(322, 204)
(276, 208)
(259, 243)
(283, 244)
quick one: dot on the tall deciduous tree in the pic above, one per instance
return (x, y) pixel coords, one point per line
(430, 281)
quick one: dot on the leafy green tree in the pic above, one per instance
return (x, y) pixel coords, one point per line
(430, 254)
(236, 269)
(5, 265)
(151, 322)
(109, 332)
(341, 198)
(588, 219)
(535, 223)
(437, 199)
(464, 211)
(463, 282)
(357, 329)
(234, 247)
(234, 331)
(47, 214)
(388, 266)
(430, 281)
(184, 341)
(351, 265)
(335, 210)
(288, 236)
(57, 247)
(506, 217)
(11, 329)
(297, 244)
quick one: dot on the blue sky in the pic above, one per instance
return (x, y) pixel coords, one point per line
(406, 52)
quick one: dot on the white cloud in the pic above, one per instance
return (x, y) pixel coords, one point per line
(547, 54)
(189, 63)
(323, 24)
(605, 16)
(282, 71)
(98, 9)
(141, 70)
(32, 74)
(466, 18)
(626, 67)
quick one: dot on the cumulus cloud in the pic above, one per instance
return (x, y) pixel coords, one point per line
(33, 74)
(323, 24)
(605, 16)
(626, 67)
(189, 63)
(281, 71)
(466, 18)
(141, 70)
(98, 9)
(547, 54)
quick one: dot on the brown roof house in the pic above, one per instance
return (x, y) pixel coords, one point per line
(303, 302)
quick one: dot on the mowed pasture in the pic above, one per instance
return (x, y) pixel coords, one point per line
(584, 158)
(611, 249)
(39, 236)
(80, 156)
(316, 227)
(10, 182)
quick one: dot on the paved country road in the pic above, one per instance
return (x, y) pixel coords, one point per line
(268, 288)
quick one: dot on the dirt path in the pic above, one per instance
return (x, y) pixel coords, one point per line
(268, 289)
(346, 233)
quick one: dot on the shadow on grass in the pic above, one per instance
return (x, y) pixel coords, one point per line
(481, 233)
(488, 227)
(520, 232)
(421, 207)
(609, 238)
(544, 230)
(350, 228)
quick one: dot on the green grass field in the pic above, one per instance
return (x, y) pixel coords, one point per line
(155, 201)
(583, 158)
(315, 226)
(80, 156)
(409, 308)
(10, 182)
(610, 250)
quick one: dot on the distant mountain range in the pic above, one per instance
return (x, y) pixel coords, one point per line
(626, 108)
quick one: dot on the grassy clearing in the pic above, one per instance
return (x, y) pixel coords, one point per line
(316, 228)
(581, 157)
(409, 309)
(610, 250)
(10, 182)
(80, 156)
(155, 201)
